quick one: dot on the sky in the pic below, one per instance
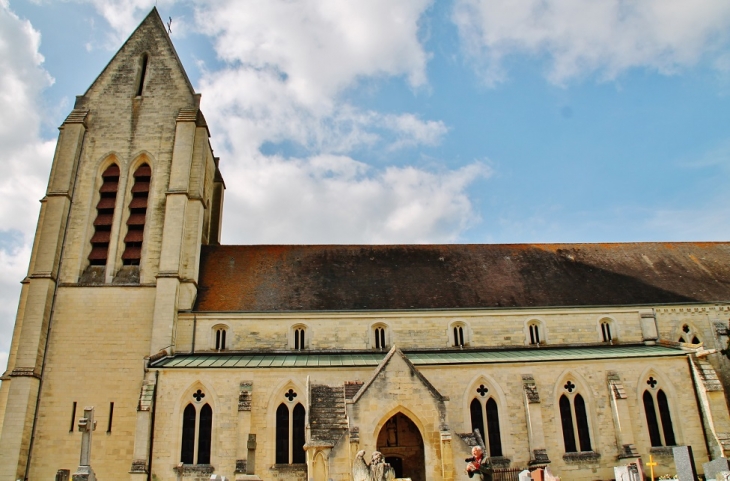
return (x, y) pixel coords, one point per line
(405, 121)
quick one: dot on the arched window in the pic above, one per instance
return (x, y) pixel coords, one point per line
(459, 334)
(196, 421)
(535, 334)
(290, 434)
(606, 331)
(299, 338)
(574, 420)
(484, 407)
(661, 431)
(104, 216)
(380, 337)
(220, 339)
(137, 215)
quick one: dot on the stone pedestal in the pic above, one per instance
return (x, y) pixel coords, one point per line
(84, 473)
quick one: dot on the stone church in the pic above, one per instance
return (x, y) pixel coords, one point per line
(282, 362)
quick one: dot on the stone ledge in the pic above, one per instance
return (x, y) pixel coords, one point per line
(667, 451)
(581, 457)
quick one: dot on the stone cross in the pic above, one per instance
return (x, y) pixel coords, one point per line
(87, 425)
(251, 458)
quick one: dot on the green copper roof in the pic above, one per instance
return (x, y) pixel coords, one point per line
(345, 359)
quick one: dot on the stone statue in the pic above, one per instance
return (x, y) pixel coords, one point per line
(377, 470)
(479, 464)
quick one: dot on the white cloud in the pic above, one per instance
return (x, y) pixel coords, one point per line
(603, 37)
(321, 46)
(24, 157)
(332, 199)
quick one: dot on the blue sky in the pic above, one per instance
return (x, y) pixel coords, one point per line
(407, 121)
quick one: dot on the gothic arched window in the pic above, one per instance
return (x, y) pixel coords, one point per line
(197, 427)
(299, 338)
(290, 433)
(137, 215)
(661, 431)
(535, 334)
(104, 216)
(380, 337)
(688, 335)
(459, 334)
(220, 339)
(606, 331)
(481, 408)
(574, 420)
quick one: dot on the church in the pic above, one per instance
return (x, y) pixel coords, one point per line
(281, 363)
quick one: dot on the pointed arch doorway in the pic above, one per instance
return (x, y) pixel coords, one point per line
(401, 443)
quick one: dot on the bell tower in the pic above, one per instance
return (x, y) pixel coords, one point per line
(134, 191)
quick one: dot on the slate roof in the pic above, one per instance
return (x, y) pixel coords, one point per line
(392, 277)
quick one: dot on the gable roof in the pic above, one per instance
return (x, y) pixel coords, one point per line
(394, 277)
(151, 21)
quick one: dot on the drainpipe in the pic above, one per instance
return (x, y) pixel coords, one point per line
(195, 322)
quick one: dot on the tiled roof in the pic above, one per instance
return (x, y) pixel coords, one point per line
(381, 277)
(372, 359)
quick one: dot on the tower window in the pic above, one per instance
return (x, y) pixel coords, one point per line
(196, 434)
(290, 434)
(104, 216)
(137, 215)
(142, 74)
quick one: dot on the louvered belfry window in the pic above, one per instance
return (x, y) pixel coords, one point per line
(137, 214)
(104, 216)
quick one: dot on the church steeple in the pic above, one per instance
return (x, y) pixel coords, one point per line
(134, 191)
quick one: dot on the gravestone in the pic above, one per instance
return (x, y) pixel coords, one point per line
(621, 473)
(715, 466)
(63, 475)
(525, 476)
(685, 463)
(87, 425)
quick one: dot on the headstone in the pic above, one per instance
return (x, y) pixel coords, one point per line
(549, 476)
(621, 473)
(525, 476)
(87, 425)
(537, 475)
(715, 466)
(685, 463)
(63, 475)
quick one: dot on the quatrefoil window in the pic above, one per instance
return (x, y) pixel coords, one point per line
(482, 390)
(198, 395)
(569, 386)
(290, 395)
(652, 382)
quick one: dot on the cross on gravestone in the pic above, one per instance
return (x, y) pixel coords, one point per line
(482, 390)
(652, 382)
(198, 395)
(87, 425)
(569, 386)
(290, 395)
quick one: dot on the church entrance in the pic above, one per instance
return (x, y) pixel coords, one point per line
(401, 443)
